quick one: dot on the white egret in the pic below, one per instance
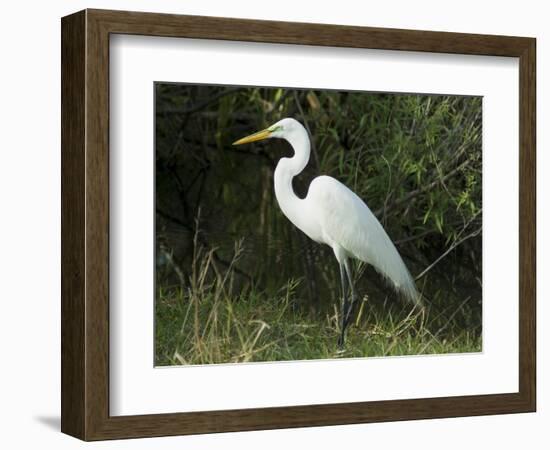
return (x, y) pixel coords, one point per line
(334, 215)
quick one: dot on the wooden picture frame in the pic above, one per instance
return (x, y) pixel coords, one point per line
(85, 224)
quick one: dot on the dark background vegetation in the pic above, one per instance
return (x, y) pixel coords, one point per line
(236, 281)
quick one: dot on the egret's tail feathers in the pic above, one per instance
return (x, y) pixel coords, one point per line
(403, 283)
(407, 288)
(392, 267)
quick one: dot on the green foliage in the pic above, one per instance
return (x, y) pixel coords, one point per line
(415, 159)
(206, 324)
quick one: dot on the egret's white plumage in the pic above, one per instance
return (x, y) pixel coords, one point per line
(347, 222)
(334, 215)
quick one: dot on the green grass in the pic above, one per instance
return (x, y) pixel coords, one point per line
(207, 323)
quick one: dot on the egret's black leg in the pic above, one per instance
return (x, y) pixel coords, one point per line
(350, 306)
(344, 307)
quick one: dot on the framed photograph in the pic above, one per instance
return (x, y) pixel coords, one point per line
(272, 225)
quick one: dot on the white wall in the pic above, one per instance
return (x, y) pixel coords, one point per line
(30, 230)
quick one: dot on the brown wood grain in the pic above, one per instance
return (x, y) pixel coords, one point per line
(527, 224)
(72, 224)
(85, 224)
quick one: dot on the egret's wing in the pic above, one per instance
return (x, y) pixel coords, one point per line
(347, 221)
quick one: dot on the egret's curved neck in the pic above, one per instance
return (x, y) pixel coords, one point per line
(288, 168)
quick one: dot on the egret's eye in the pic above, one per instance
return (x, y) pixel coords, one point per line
(275, 128)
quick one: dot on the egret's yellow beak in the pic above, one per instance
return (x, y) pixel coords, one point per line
(264, 134)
